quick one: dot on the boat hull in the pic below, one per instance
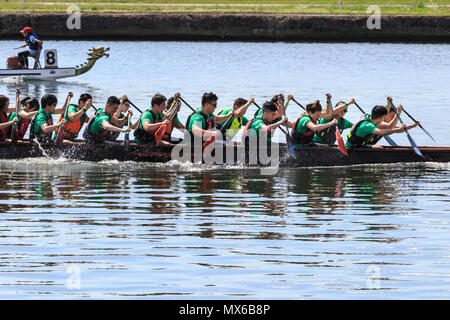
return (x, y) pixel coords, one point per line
(306, 157)
(38, 74)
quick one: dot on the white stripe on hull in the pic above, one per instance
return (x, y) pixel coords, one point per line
(38, 74)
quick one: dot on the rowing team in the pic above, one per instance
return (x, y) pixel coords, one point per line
(312, 127)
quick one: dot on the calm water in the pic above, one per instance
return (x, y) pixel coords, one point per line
(178, 231)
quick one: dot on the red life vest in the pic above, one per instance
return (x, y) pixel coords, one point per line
(4, 131)
(23, 126)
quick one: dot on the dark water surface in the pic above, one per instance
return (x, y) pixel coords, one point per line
(125, 230)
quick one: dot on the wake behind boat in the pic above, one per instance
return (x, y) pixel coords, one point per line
(51, 71)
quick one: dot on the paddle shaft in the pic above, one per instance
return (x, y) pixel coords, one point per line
(184, 101)
(299, 104)
(135, 106)
(419, 124)
(411, 140)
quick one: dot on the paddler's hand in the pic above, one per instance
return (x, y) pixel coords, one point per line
(283, 120)
(123, 98)
(399, 108)
(290, 97)
(328, 96)
(166, 122)
(127, 129)
(251, 100)
(15, 119)
(415, 124)
(69, 95)
(333, 122)
(88, 104)
(18, 91)
(130, 114)
(389, 99)
(351, 101)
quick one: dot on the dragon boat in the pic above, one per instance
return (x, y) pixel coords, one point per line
(224, 154)
(51, 71)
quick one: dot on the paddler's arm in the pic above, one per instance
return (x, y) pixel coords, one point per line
(273, 126)
(318, 127)
(239, 113)
(327, 114)
(152, 127)
(27, 115)
(222, 118)
(46, 128)
(342, 106)
(9, 123)
(197, 131)
(66, 103)
(77, 115)
(386, 132)
(109, 127)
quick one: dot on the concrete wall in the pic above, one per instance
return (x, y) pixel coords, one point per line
(227, 27)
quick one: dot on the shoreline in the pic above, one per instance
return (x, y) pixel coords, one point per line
(229, 27)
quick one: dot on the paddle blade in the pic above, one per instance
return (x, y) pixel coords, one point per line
(427, 133)
(340, 142)
(414, 145)
(209, 141)
(159, 133)
(290, 147)
(126, 142)
(14, 134)
(390, 141)
(59, 137)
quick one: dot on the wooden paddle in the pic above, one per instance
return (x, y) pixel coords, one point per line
(288, 137)
(60, 136)
(340, 141)
(419, 124)
(387, 138)
(15, 129)
(411, 140)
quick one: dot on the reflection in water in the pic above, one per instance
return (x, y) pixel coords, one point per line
(158, 231)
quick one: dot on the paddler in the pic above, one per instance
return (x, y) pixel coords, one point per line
(42, 124)
(150, 121)
(4, 121)
(29, 108)
(120, 118)
(276, 99)
(99, 125)
(202, 122)
(263, 125)
(365, 131)
(239, 108)
(175, 122)
(306, 125)
(33, 43)
(328, 136)
(76, 117)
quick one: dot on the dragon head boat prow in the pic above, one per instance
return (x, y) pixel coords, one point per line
(93, 55)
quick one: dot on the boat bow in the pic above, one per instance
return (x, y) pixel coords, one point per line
(94, 54)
